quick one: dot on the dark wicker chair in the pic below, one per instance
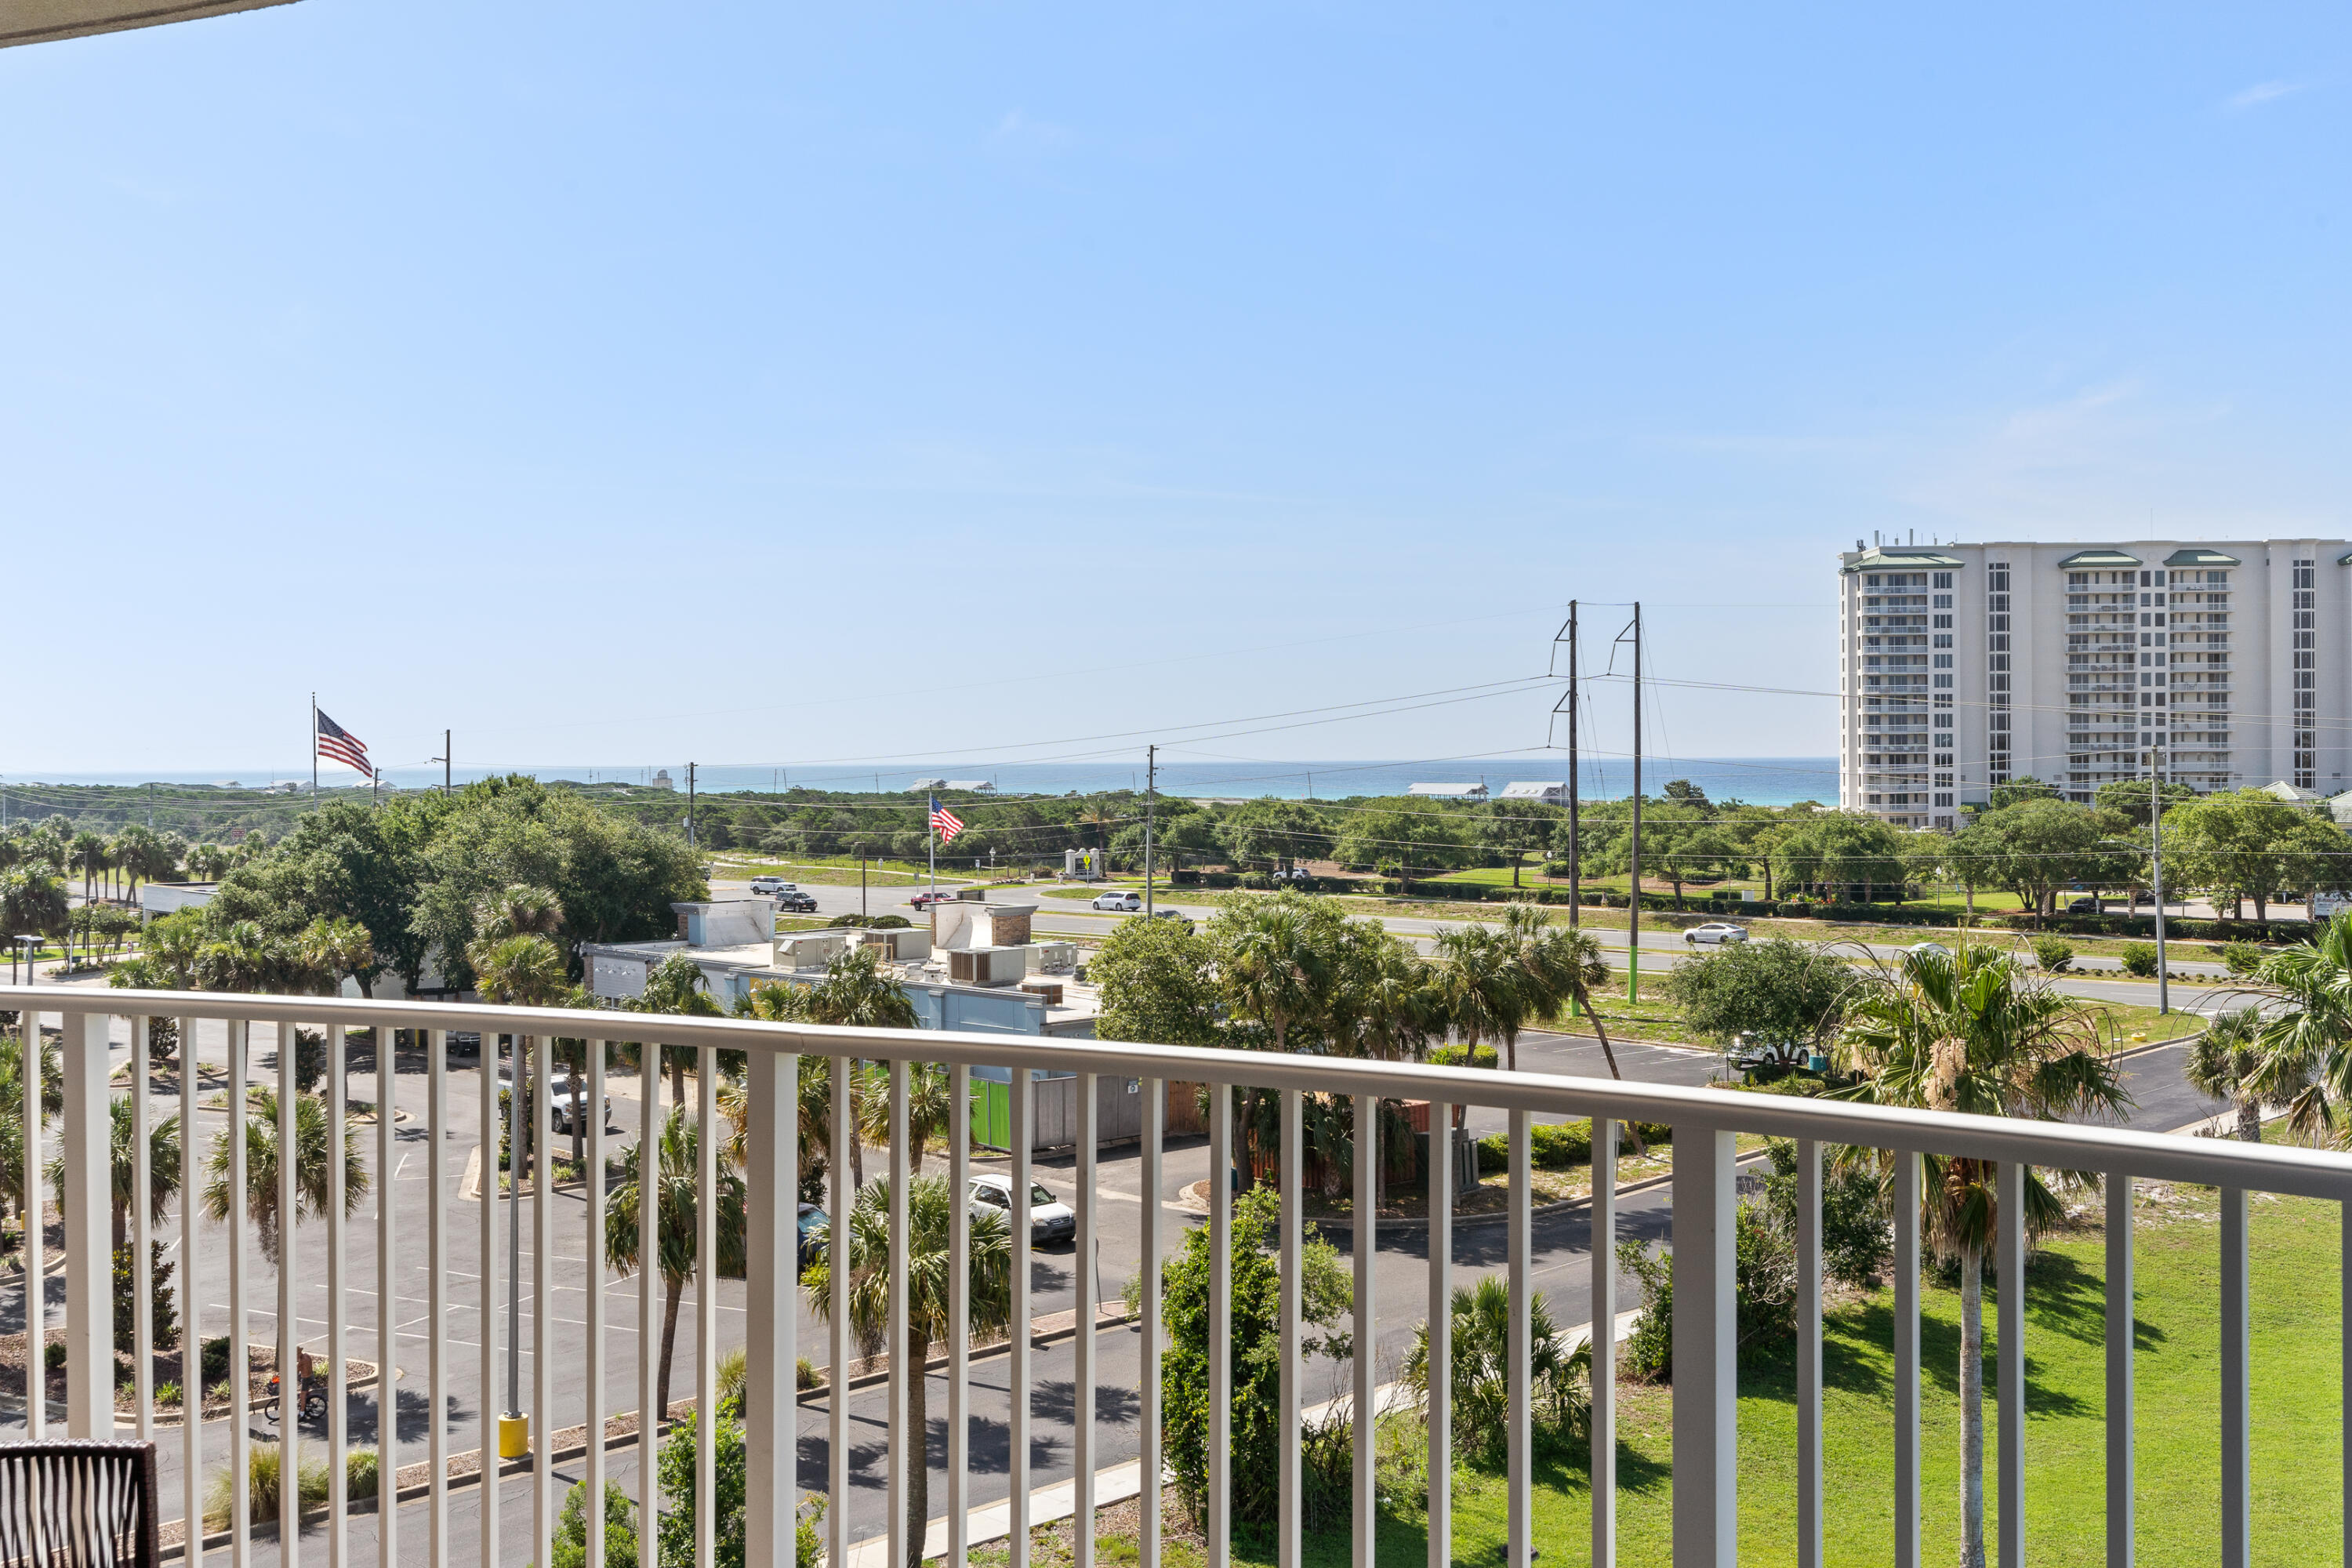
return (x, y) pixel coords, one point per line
(79, 1502)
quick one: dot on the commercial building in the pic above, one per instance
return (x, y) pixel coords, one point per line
(1966, 665)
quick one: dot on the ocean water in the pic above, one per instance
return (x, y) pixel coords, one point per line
(1762, 780)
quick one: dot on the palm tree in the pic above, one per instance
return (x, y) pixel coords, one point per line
(1275, 975)
(1485, 996)
(519, 909)
(12, 1107)
(33, 901)
(674, 1212)
(333, 947)
(311, 1170)
(162, 1167)
(2223, 1063)
(1561, 1379)
(855, 994)
(1974, 1033)
(932, 1211)
(2304, 1047)
(524, 970)
(84, 851)
(678, 986)
(928, 1102)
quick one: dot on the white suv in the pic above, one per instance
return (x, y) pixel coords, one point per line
(1127, 899)
(773, 885)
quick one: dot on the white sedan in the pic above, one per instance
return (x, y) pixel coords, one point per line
(1717, 932)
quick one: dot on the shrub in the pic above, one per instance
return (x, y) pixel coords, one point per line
(261, 1489)
(805, 1373)
(1479, 1323)
(734, 1374)
(167, 1394)
(2054, 953)
(2242, 957)
(1857, 1237)
(570, 1546)
(1256, 1367)
(1649, 1355)
(164, 1316)
(1466, 1056)
(2139, 958)
(216, 1360)
(360, 1474)
(1765, 1270)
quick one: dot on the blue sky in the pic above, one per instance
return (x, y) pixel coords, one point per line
(626, 384)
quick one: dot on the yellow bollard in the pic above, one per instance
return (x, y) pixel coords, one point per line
(514, 1437)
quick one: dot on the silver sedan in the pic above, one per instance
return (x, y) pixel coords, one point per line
(1717, 932)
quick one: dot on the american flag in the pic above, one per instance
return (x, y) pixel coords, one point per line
(945, 822)
(338, 744)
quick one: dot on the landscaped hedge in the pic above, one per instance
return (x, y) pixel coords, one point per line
(1560, 1148)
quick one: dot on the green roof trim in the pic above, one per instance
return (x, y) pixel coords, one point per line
(2203, 558)
(1903, 558)
(2098, 558)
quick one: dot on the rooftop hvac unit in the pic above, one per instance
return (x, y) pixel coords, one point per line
(1053, 957)
(987, 965)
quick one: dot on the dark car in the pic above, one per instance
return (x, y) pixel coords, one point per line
(811, 1220)
(2082, 905)
(799, 903)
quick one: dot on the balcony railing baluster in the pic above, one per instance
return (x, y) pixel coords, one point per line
(1221, 1324)
(1808, 1353)
(1439, 1360)
(2121, 1334)
(1363, 1517)
(2010, 1198)
(387, 1297)
(1149, 1459)
(836, 1388)
(958, 1489)
(650, 1414)
(1082, 1346)
(1704, 1381)
(37, 1303)
(142, 1222)
(488, 1207)
(542, 1297)
(1518, 1437)
(706, 1306)
(1604, 1240)
(905, 1366)
(1906, 1360)
(593, 1303)
(2237, 1373)
(192, 1322)
(240, 1443)
(1022, 1103)
(338, 1491)
(289, 1389)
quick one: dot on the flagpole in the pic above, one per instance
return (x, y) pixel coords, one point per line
(931, 827)
(314, 749)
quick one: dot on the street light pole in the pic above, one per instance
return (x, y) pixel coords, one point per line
(1150, 785)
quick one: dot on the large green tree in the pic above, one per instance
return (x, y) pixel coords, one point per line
(2249, 844)
(614, 880)
(1785, 996)
(345, 861)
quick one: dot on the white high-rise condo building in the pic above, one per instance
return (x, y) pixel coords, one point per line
(1965, 666)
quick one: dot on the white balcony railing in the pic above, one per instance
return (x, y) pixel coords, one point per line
(1704, 1381)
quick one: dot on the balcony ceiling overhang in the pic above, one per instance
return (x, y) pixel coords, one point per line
(46, 21)
(2200, 558)
(2098, 558)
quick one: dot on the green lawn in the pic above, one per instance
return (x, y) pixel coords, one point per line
(2298, 1444)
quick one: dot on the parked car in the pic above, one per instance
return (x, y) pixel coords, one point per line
(1050, 1219)
(772, 885)
(797, 901)
(562, 1103)
(813, 1219)
(1715, 931)
(1929, 950)
(2082, 905)
(1178, 915)
(1126, 898)
(925, 900)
